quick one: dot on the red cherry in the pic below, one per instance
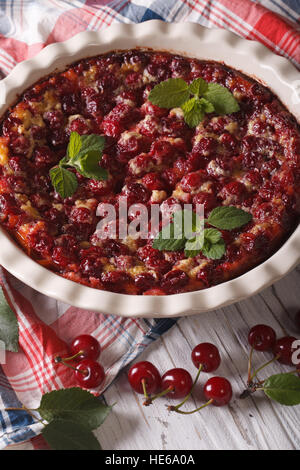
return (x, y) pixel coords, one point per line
(284, 348)
(89, 374)
(262, 337)
(146, 371)
(208, 355)
(219, 390)
(87, 345)
(179, 381)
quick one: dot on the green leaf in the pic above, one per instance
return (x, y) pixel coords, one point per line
(174, 236)
(283, 388)
(193, 246)
(166, 240)
(74, 404)
(91, 143)
(88, 166)
(221, 98)
(86, 155)
(210, 243)
(187, 222)
(170, 93)
(215, 250)
(228, 217)
(9, 331)
(198, 86)
(69, 435)
(74, 145)
(193, 112)
(206, 105)
(64, 182)
(212, 235)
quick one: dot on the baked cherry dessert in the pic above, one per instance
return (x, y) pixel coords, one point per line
(240, 153)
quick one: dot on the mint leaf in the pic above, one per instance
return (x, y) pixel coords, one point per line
(221, 98)
(210, 243)
(206, 105)
(198, 86)
(74, 145)
(69, 435)
(84, 154)
(187, 222)
(214, 250)
(64, 182)
(212, 235)
(174, 236)
(9, 331)
(283, 388)
(88, 166)
(170, 93)
(87, 159)
(166, 239)
(91, 143)
(193, 246)
(193, 112)
(74, 404)
(228, 217)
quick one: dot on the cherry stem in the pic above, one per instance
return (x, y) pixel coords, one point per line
(296, 371)
(62, 361)
(262, 367)
(149, 400)
(71, 358)
(28, 410)
(174, 408)
(191, 391)
(250, 364)
(144, 389)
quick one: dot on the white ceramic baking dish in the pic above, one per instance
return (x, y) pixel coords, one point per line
(191, 40)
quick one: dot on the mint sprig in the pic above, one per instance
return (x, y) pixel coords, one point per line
(84, 154)
(195, 99)
(193, 238)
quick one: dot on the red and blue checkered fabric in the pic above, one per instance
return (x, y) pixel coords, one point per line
(46, 326)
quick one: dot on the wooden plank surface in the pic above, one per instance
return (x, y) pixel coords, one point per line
(254, 423)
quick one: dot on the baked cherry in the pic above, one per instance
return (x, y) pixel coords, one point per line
(207, 355)
(85, 347)
(284, 349)
(178, 381)
(89, 374)
(262, 337)
(144, 376)
(218, 389)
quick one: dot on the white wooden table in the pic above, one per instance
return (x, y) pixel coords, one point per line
(255, 423)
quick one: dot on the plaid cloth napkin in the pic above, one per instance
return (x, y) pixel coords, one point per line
(46, 326)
